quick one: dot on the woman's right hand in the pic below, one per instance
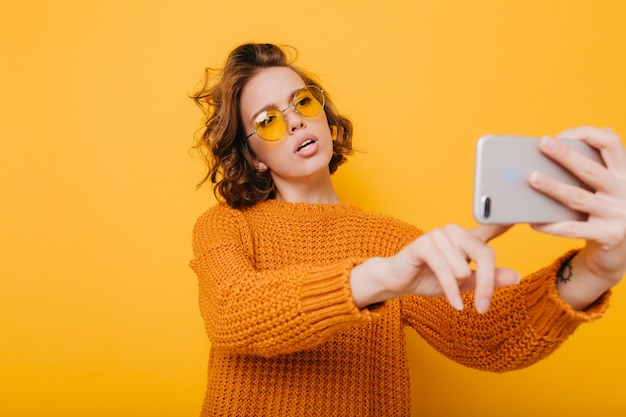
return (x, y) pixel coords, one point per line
(436, 264)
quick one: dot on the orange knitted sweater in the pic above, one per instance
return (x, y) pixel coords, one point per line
(287, 339)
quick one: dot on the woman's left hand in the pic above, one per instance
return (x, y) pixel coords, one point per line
(602, 262)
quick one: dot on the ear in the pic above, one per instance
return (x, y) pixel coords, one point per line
(259, 166)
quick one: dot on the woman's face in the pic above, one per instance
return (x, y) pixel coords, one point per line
(305, 149)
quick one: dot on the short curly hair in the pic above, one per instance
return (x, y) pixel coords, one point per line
(221, 140)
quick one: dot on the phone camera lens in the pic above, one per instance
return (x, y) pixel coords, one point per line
(487, 207)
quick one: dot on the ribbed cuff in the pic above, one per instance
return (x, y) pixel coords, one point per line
(327, 297)
(548, 313)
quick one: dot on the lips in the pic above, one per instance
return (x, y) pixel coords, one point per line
(304, 143)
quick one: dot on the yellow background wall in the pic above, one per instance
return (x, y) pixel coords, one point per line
(98, 307)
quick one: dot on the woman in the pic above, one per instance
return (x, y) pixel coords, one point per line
(305, 298)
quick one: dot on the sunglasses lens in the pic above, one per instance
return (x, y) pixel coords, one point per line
(270, 125)
(309, 101)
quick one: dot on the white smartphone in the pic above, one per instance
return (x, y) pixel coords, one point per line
(502, 194)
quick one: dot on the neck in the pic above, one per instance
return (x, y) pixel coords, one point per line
(318, 191)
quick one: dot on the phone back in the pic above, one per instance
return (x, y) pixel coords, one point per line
(502, 194)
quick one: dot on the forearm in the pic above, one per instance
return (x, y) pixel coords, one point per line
(577, 285)
(525, 324)
(274, 312)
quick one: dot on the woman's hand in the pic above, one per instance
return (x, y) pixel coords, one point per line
(436, 264)
(602, 262)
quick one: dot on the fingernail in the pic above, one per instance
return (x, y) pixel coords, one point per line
(548, 143)
(518, 278)
(482, 305)
(457, 303)
(534, 178)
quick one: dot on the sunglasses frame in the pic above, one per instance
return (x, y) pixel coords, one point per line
(293, 104)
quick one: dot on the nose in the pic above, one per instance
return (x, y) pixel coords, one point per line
(294, 120)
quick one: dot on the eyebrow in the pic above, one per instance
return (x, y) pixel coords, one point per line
(272, 106)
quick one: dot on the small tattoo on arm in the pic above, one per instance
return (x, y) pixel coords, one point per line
(565, 273)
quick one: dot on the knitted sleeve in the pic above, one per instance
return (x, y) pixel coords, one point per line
(524, 324)
(269, 312)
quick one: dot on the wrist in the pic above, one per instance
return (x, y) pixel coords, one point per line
(577, 285)
(367, 282)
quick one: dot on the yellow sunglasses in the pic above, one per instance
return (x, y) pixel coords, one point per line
(272, 124)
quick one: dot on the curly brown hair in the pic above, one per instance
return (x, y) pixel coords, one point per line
(221, 142)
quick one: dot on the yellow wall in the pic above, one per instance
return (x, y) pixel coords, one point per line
(98, 307)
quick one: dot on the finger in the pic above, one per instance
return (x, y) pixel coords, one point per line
(438, 262)
(444, 239)
(504, 277)
(574, 197)
(606, 141)
(608, 234)
(592, 173)
(484, 259)
(569, 229)
(489, 231)
(483, 256)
